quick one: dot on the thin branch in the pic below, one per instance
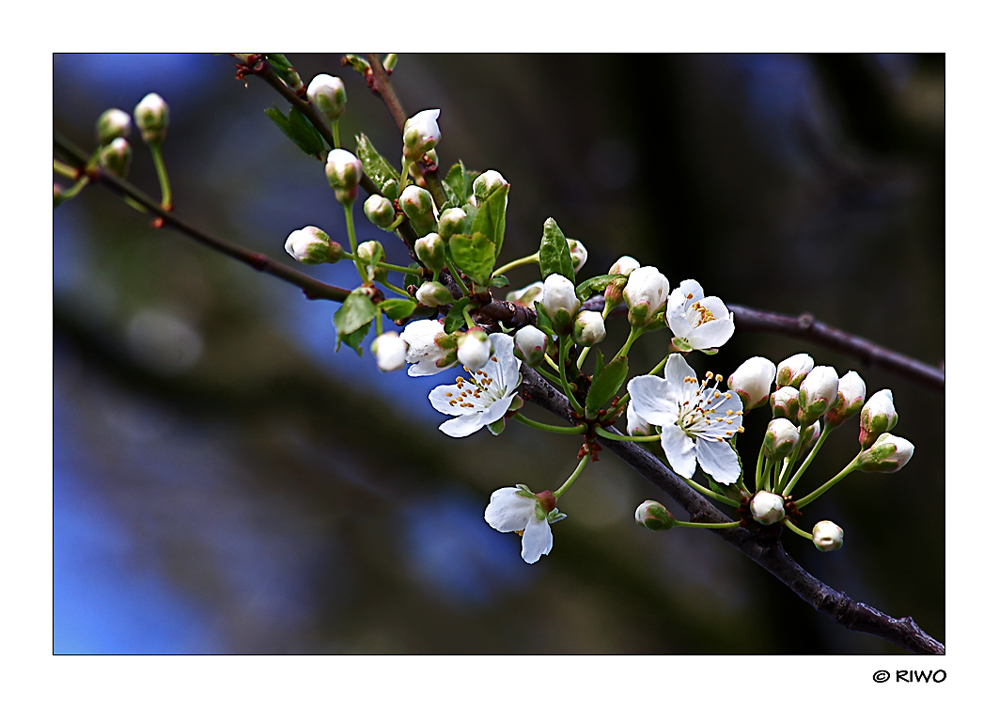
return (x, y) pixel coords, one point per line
(768, 553)
(313, 289)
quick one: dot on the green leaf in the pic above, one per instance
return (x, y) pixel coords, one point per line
(375, 166)
(474, 254)
(554, 252)
(354, 339)
(599, 366)
(455, 184)
(397, 309)
(455, 319)
(499, 281)
(491, 219)
(544, 320)
(606, 384)
(357, 310)
(592, 285)
(297, 127)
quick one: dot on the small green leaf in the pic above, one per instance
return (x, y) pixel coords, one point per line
(297, 127)
(606, 385)
(357, 310)
(354, 339)
(474, 254)
(544, 320)
(455, 319)
(496, 427)
(456, 184)
(397, 309)
(491, 219)
(593, 285)
(499, 281)
(599, 366)
(554, 252)
(375, 166)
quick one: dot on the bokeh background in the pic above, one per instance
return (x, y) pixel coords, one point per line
(225, 483)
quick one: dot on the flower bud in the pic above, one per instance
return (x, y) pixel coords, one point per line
(328, 96)
(810, 436)
(849, 399)
(418, 205)
(578, 254)
(827, 536)
(614, 293)
(474, 348)
(752, 380)
(389, 62)
(113, 123)
(432, 294)
(452, 222)
(645, 294)
(344, 172)
(623, 266)
(588, 328)
(784, 403)
(371, 252)
(416, 171)
(116, 157)
(420, 134)
(888, 454)
(780, 439)
(390, 351)
(878, 416)
(485, 184)
(652, 515)
(430, 250)
(767, 508)
(379, 211)
(792, 371)
(311, 245)
(529, 344)
(560, 301)
(527, 295)
(817, 394)
(152, 117)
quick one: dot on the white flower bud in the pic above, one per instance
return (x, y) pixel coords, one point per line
(588, 328)
(578, 254)
(485, 184)
(116, 157)
(430, 250)
(371, 252)
(623, 266)
(417, 204)
(432, 294)
(452, 222)
(645, 293)
(767, 508)
(527, 295)
(390, 351)
(113, 123)
(888, 454)
(752, 380)
(817, 394)
(328, 96)
(810, 436)
(792, 371)
(529, 344)
(474, 349)
(780, 439)
(878, 416)
(311, 245)
(152, 116)
(849, 399)
(559, 299)
(654, 516)
(344, 172)
(827, 536)
(379, 211)
(420, 134)
(784, 403)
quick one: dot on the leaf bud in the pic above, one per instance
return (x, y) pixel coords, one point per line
(389, 62)
(430, 250)
(530, 344)
(379, 211)
(432, 294)
(418, 205)
(487, 183)
(311, 245)
(328, 95)
(116, 157)
(113, 123)
(645, 293)
(827, 536)
(390, 351)
(152, 117)
(752, 380)
(792, 371)
(767, 508)
(578, 254)
(878, 416)
(817, 394)
(654, 516)
(780, 439)
(588, 328)
(344, 172)
(452, 222)
(849, 399)
(474, 348)
(888, 454)
(784, 403)
(559, 299)
(420, 133)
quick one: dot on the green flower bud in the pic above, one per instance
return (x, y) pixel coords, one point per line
(379, 211)
(792, 371)
(888, 454)
(817, 394)
(752, 380)
(645, 293)
(588, 328)
(559, 299)
(116, 157)
(432, 294)
(113, 123)
(878, 416)
(849, 399)
(780, 439)
(152, 117)
(420, 133)
(578, 254)
(452, 222)
(389, 62)
(485, 184)
(344, 172)
(328, 96)
(827, 536)
(653, 516)
(529, 344)
(784, 403)
(430, 250)
(311, 245)
(418, 205)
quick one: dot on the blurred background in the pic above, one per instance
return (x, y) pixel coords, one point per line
(225, 483)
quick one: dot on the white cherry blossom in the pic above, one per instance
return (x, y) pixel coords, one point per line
(427, 351)
(702, 323)
(517, 509)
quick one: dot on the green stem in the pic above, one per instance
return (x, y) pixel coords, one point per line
(582, 357)
(533, 258)
(457, 279)
(800, 532)
(546, 427)
(792, 459)
(633, 439)
(348, 210)
(760, 460)
(64, 170)
(563, 351)
(707, 492)
(466, 313)
(811, 497)
(161, 173)
(632, 336)
(549, 376)
(74, 190)
(394, 289)
(808, 461)
(336, 134)
(572, 478)
(707, 525)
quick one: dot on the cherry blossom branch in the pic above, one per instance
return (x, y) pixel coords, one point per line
(764, 550)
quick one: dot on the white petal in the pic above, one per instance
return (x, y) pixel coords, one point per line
(651, 401)
(692, 287)
(442, 402)
(506, 368)
(426, 367)
(509, 511)
(715, 306)
(718, 460)
(676, 314)
(537, 540)
(462, 426)
(637, 426)
(679, 450)
(711, 334)
(677, 370)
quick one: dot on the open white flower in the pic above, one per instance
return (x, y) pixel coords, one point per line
(699, 323)
(430, 348)
(485, 396)
(517, 509)
(697, 420)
